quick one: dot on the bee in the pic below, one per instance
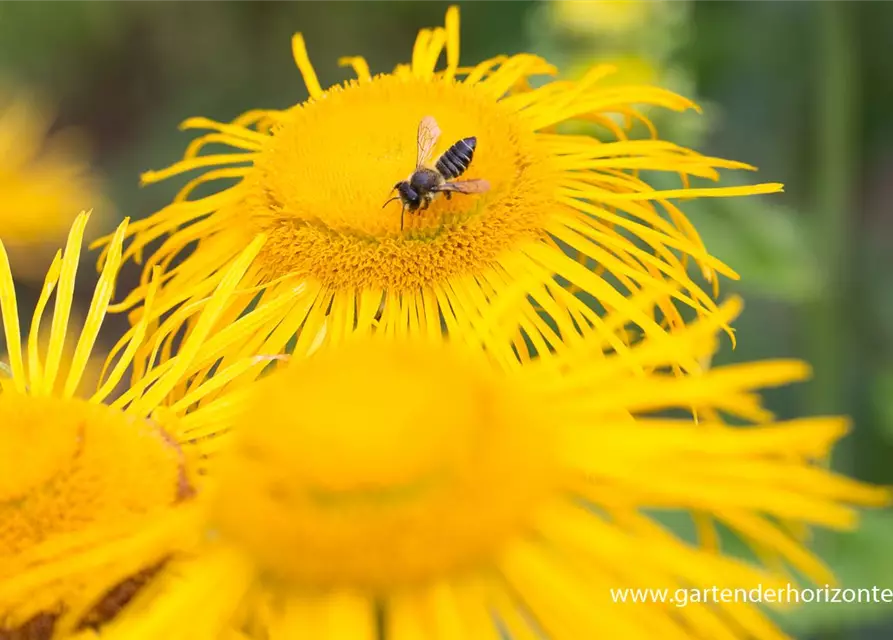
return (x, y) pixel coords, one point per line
(417, 191)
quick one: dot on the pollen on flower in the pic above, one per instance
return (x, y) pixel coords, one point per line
(320, 183)
(383, 476)
(68, 464)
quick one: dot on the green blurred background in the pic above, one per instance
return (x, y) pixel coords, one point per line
(800, 89)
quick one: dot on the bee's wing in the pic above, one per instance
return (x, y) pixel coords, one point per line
(429, 132)
(465, 186)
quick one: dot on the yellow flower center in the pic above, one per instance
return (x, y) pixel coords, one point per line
(67, 464)
(321, 181)
(367, 466)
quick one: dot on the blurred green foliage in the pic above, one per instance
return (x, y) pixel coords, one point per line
(128, 72)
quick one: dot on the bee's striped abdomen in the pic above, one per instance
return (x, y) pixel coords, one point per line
(455, 160)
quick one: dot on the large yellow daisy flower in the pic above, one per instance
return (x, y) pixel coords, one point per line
(419, 492)
(568, 216)
(76, 471)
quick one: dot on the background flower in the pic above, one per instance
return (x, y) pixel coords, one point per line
(43, 177)
(78, 470)
(449, 499)
(644, 39)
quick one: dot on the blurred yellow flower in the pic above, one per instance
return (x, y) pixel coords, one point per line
(629, 70)
(41, 178)
(77, 471)
(595, 17)
(410, 485)
(567, 215)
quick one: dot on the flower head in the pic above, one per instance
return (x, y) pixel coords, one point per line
(77, 470)
(566, 215)
(421, 489)
(602, 17)
(41, 178)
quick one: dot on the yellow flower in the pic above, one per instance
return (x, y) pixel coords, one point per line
(410, 484)
(41, 177)
(602, 17)
(633, 70)
(78, 471)
(90, 377)
(566, 217)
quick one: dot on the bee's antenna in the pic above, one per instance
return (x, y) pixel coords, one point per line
(402, 211)
(390, 200)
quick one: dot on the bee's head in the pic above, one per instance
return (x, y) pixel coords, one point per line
(406, 194)
(409, 195)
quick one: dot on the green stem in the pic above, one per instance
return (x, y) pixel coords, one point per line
(836, 136)
(836, 165)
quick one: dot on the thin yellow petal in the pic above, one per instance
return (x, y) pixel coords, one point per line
(419, 52)
(350, 615)
(133, 339)
(511, 612)
(201, 142)
(484, 68)
(221, 378)
(359, 65)
(757, 528)
(451, 24)
(444, 613)
(233, 129)
(432, 55)
(549, 587)
(302, 60)
(11, 322)
(206, 322)
(405, 620)
(64, 297)
(475, 607)
(198, 607)
(95, 315)
(35, 370)
(148, 177)
(718, 192)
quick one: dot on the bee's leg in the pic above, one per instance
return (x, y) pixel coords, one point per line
(447, 195)
(426, 203)
(402, 213)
